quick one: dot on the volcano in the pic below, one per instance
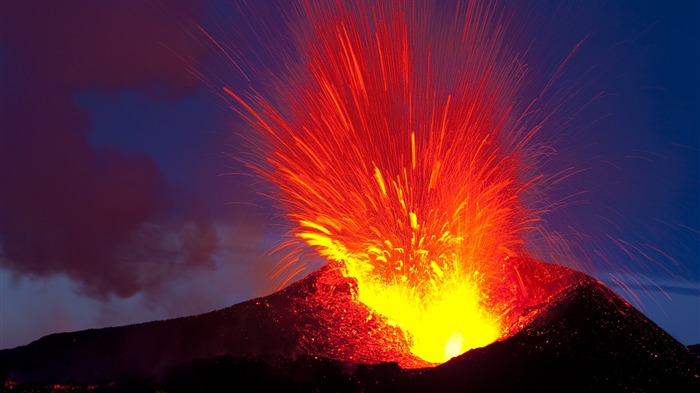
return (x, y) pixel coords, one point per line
(566, 331)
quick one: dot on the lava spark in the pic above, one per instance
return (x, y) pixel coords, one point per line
(402, 158)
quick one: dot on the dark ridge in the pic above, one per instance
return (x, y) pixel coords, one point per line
(695, 349)
(586, 338)
(582, 338)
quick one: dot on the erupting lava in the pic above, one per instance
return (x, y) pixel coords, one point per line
(403, 158)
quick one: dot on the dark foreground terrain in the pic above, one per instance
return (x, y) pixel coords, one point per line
(582, 338)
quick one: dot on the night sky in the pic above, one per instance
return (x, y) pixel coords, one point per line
(124, 197)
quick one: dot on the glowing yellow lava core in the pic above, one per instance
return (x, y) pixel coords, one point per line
(438, 325)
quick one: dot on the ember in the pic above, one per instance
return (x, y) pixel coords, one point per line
(405, 161)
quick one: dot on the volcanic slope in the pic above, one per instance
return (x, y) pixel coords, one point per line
(565, 331)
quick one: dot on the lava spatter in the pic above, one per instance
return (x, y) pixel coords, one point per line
(403, 159)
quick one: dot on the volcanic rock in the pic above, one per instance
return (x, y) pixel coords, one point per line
(566, 331)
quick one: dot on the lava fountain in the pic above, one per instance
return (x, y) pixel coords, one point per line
(404, 158)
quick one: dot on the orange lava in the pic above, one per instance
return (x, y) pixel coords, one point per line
(403, 159)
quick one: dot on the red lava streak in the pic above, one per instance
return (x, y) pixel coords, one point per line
(399, 150)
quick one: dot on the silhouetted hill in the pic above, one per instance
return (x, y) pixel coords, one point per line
(576, 335)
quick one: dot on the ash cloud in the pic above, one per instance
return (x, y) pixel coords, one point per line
(107, 218)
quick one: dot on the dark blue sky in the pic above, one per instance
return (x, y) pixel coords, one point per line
(123, 199)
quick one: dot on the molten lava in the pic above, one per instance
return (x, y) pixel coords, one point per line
(440, 323)
(404, 160)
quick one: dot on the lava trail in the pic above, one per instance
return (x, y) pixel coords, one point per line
(399, 150)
